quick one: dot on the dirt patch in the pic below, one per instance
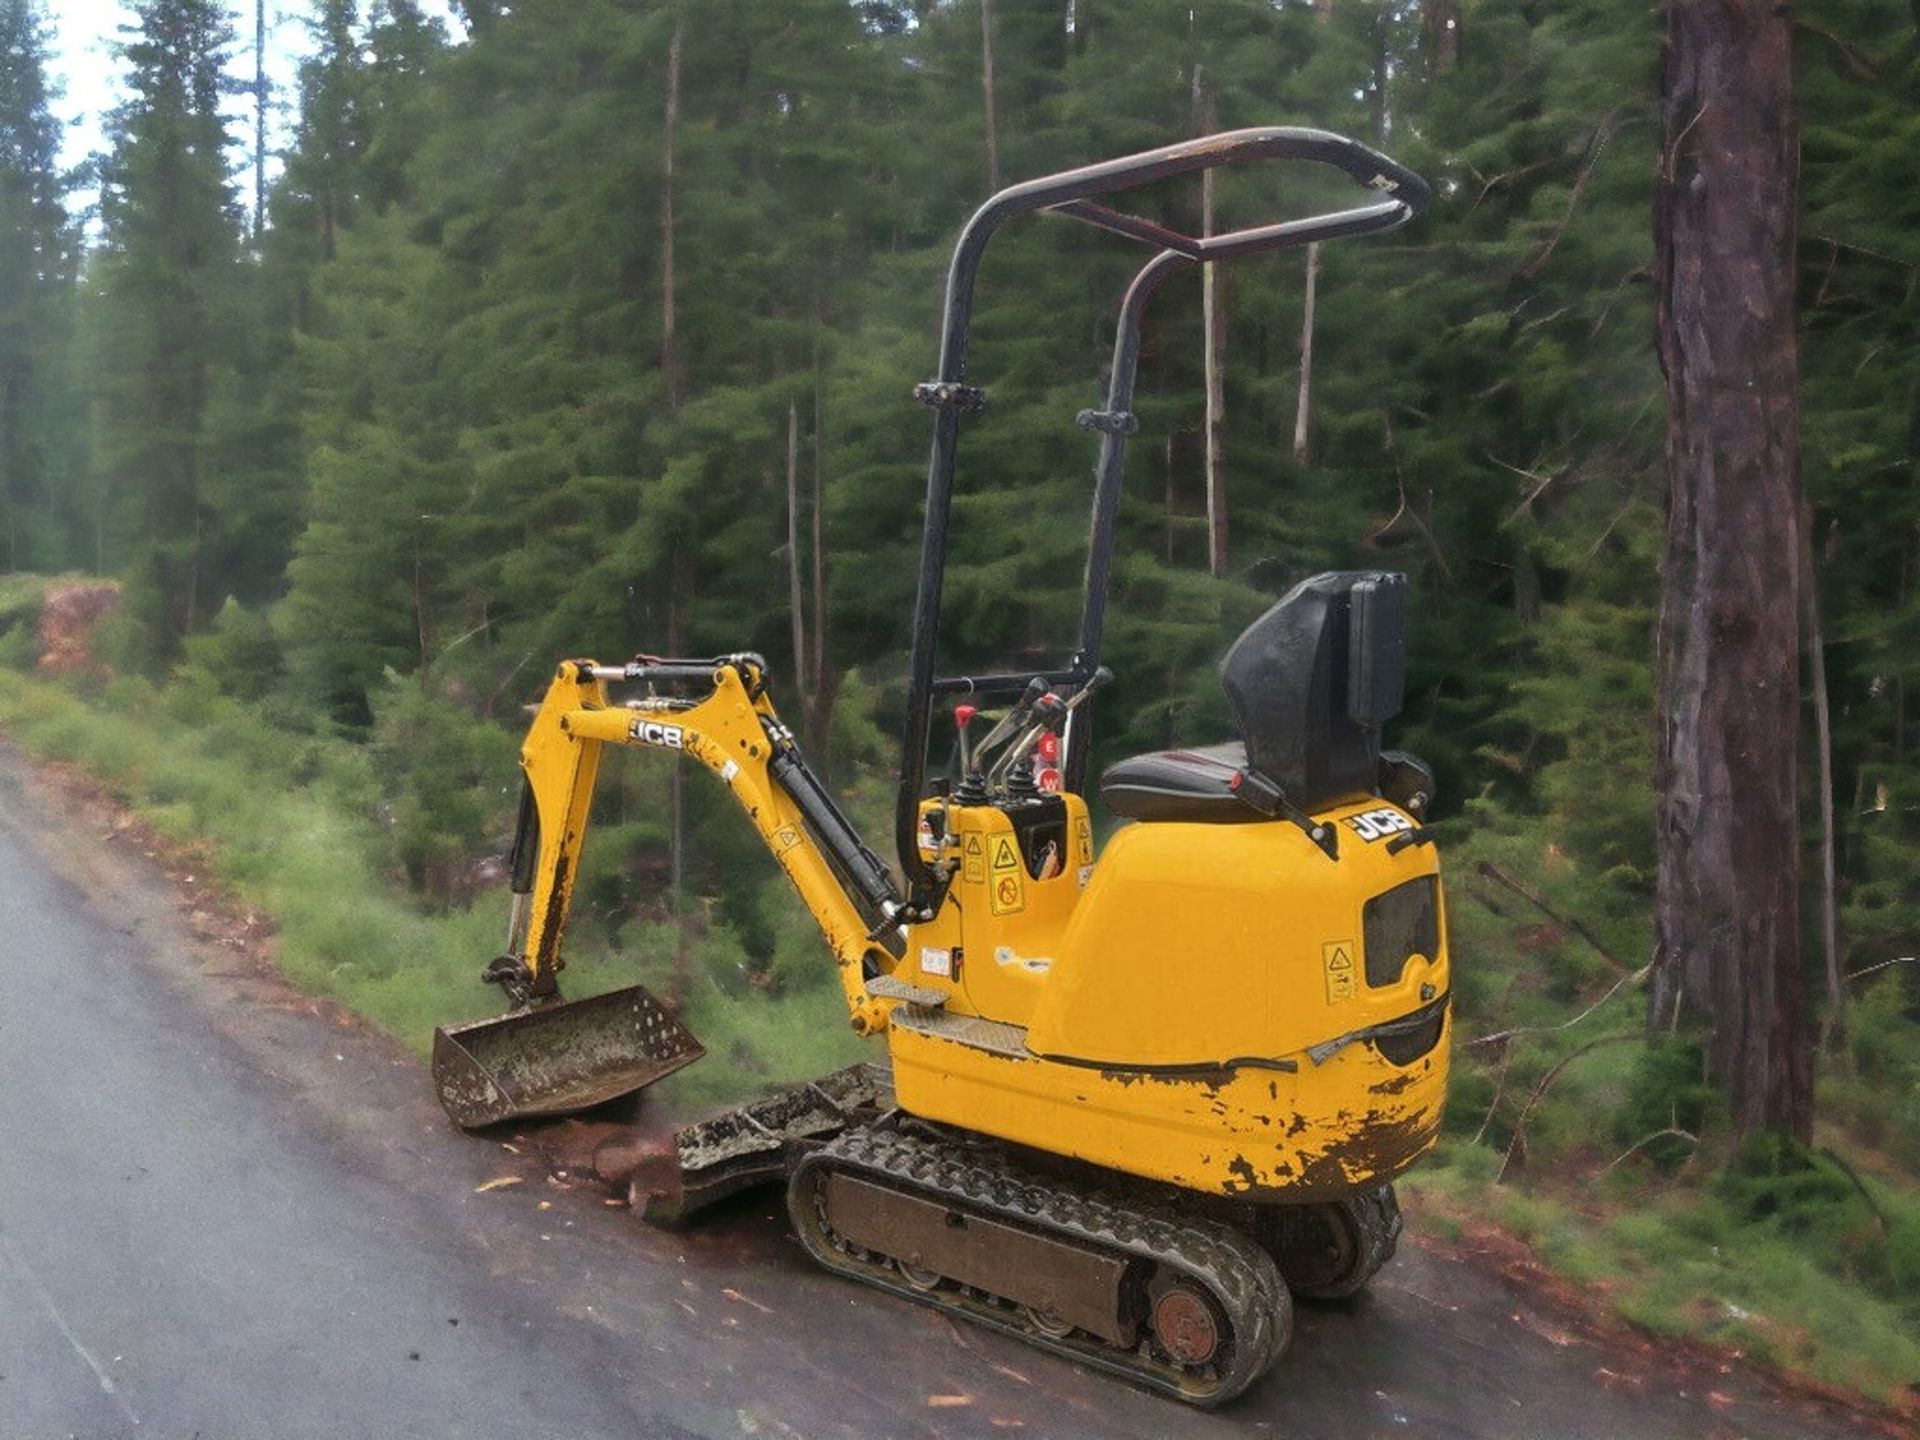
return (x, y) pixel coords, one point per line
(68, 616)
(1565, 1314)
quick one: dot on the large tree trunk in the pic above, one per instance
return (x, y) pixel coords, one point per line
(1440, 24)
(1727, 916)
(669, 348)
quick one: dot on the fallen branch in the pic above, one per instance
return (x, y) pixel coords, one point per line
(1860, 1185)
(1484, 900)
(1546, 1082)
(1601, 136)
(1499, 1092)
(1426, 530)
(1539, 481)
(1671, 1131)
(1863, 65)
(1612, 990)
(1495, 873)
(1897, 960)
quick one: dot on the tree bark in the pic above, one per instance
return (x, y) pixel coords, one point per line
(669, 350)
(1303, 411)
(1382, 76)
(1440, 20)
(260, 122)
(1823, 746)
(1727, 908)
(819, 706)
(680, 576)
(986, 94)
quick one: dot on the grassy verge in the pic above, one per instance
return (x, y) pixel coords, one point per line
(296, 826)
(1816, 1270)
(1578, 1134)
(1686, 1259)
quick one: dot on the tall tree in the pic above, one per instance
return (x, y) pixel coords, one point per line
(171, 230)
(260, 89)
(322, 177)
(37, 263)
(1728, 904)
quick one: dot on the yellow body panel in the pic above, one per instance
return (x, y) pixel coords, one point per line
(1192, 1008)
(1007, 923)
(1169, 1033)
(1317, 1132)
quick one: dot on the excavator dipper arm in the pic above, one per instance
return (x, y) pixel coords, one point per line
(723, 718)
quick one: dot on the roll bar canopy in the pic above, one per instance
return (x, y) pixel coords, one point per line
(1401, 195)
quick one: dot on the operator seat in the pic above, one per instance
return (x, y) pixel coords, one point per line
(1309, 685)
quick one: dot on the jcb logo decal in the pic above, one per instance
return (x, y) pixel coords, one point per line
(652, 732)
(1371, 825)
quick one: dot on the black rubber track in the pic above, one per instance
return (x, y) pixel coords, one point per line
(1330, 1250)
(1233, 1268)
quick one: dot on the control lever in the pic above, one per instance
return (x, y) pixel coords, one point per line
(962, 718)
(1048, 714)
(1100, 678)
(972, 789)
(1014, 718)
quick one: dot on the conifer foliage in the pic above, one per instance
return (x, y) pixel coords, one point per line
(588, 326)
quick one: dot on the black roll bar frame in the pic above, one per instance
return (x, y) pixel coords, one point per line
(1403, 196)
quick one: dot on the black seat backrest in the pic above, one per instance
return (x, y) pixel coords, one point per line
(1311, 682)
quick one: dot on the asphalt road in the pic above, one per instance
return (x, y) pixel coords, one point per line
(226, 1212)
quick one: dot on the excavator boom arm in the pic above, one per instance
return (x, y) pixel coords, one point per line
(734, 731)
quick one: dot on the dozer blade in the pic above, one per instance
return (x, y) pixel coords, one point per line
(558, 1058)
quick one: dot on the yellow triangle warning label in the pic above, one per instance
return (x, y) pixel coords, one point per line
(1336, 958)
(1005, 857)
(973, 844)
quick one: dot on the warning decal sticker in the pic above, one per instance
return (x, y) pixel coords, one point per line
(1005, 857)
(1337, 958)
(1009, 896)
(975, 860)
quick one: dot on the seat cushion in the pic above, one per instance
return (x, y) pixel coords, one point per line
(1192, 785)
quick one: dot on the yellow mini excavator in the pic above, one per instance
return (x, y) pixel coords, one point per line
(1131, 1104)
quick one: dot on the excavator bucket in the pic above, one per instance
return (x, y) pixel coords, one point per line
(557, 1059)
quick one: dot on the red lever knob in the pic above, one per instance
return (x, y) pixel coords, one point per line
(963, 715)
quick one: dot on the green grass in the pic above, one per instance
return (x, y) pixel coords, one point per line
(293, 825)
(1675, 1261)
(1792, 1265)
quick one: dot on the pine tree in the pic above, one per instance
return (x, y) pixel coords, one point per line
(1858, 82)
(171, 226)
(38, 264)
(1728, 908)
(322, 182)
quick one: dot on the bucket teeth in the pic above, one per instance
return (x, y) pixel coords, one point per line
(558, 1059)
